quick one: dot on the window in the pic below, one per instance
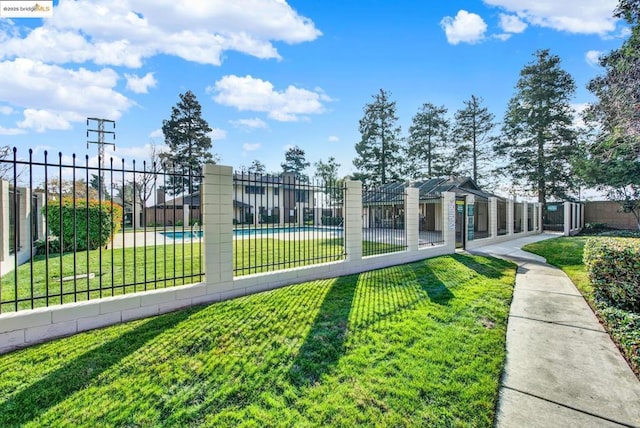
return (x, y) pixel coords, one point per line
(254, 190)
(276, 191)
(302, 196)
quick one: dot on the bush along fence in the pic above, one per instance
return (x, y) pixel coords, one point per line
(220, 235)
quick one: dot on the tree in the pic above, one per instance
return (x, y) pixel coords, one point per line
(538, 138)
(295, 162)
(257, 167)
(612, 159)
(144, 182)
(379, 150)
(5, 152)
(328, 173)
(70, 189)
(473, 129)
(428, 135)
(187, 135)
(94, 183)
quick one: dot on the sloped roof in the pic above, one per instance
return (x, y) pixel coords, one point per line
(391, 193)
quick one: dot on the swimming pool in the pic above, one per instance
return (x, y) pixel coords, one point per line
(187, 234)
(253, 231)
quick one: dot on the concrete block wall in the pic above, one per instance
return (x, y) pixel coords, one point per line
(25, 328)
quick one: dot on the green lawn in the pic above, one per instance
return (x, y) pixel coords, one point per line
(421, 344)
(623, 326)
(159, 266)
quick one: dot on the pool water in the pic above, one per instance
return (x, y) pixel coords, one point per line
(187, 234)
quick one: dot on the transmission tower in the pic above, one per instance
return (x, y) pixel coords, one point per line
(101, 132)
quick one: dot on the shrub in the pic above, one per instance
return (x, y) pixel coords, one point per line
(614, 269)
(104, 221)
(594, 228)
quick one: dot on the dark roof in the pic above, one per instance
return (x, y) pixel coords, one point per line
(391, 193)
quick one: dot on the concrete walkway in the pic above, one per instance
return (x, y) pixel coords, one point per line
(562, 369)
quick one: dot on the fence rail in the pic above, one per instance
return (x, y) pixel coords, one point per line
(285, 221)
(383, 219)
(85, 233)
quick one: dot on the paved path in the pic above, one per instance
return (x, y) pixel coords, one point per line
(562, 369)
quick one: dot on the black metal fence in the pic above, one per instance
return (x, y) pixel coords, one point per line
(481, 225)
(383, 219)
(90, 231)
(285, 221)
(430, 222)
(518, 208)
(502, 217)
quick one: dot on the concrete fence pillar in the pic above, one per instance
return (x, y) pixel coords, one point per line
(353, 220)
(449, 220)
(412, 217)
(493, 217)
(567, 218)
(510, 216)
(217, 224)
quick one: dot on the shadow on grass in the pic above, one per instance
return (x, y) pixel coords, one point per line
(60, 384)
(489, 267)
(436, 289)
(324, 345)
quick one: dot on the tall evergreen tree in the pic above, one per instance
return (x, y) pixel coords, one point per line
(538, 138)
(612, 160)
(295, 162)
(473, 129)
(379, 150)
(186, 134)
(428, 135)
(328, 173)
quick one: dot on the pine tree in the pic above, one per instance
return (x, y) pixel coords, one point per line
(257, 167)
(186, 134)
(428, 135)
(473, 131)
(538, 138)
(295, 162)
(380, 148)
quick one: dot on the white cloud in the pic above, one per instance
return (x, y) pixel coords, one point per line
(583, 17)
(156, 133)
(254, 123)
(49, 93)
(141, 154)
(41, 120)
(464, 28)
(250, 147)
(593, 57)
(110, 32)
(140, 85)
(512, 23)
(333, 139)
(252, 94)
(218, 134)
(6, 110)
(11, 131)
(287, 147)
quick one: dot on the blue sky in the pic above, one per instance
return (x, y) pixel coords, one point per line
(271, 74)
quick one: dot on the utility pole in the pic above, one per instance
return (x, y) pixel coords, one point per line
(101, 143)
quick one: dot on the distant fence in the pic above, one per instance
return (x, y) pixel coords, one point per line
(567, 217)
(609, 213)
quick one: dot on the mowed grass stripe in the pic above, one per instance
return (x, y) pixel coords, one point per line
(421, 344)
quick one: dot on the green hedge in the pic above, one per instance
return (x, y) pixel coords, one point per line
(105, 220)
(614, 269)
